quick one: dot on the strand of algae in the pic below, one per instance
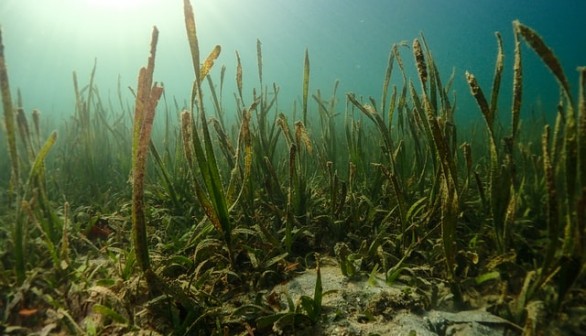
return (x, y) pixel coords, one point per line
(582, 127)
(498, 74)
(305, 85)
(147, 97)
(9, 119)
(36, 170)
(581, 203)
(501, 186)
(546, 55)
(571, 138)
(448, 192)
(239, 76)
(25, 134)
(34, 177)
(562, 164)
(571, 135)
(215, 201)
(571, 263)
(146, 101)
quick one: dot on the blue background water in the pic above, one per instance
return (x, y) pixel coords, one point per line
(45, 40)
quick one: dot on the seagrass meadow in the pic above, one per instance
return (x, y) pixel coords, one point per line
(150, 217)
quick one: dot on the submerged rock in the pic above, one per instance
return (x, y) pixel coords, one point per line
(371, 307)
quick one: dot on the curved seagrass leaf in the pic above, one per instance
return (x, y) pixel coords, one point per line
(147, 97)
(552, 214)
(416, 208)
(546, 54)
(40, 158)
(517, 87)
(245, 139)
(478, 94)
(239, 75)
(305, 85)
(191, 35)
(482, 278)
(582, 127)
(270, 262)
(110, 313)
(435, 84)
(8, 114)
(259, 60)
(420, 64)
(498, 73)
(209, 62)
(387, 80)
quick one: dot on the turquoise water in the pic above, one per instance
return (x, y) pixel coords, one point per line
(349, 41)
